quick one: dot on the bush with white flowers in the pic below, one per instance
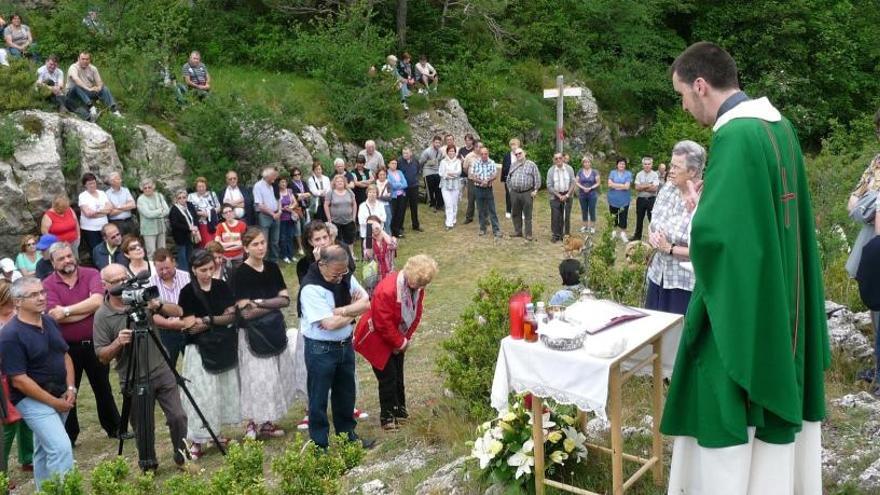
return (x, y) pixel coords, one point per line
(505, 449)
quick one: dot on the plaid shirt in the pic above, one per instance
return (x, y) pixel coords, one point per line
(524, 178)
(670, 216)
(483, 170)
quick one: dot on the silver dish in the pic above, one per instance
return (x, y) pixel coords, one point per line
(564, 343)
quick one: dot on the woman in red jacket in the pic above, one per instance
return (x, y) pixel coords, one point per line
(383, 334)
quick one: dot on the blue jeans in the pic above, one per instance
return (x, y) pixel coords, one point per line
(272, 231)
(485, 202)
(388, 218)
(88, 97)
(330, 367)
(588, 206)
(31, 52)
(285, 238)
(53, 453)
(184, 251)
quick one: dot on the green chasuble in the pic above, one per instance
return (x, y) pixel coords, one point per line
(755, 343)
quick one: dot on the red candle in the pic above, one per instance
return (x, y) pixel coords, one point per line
(517, 309)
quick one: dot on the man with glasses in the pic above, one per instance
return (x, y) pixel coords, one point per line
(74, 294)
(108, 251)
(329, 300)
(240, 198)
(523, 182)
(41, 377)
(112, 335)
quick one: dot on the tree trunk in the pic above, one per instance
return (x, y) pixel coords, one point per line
(401, 24)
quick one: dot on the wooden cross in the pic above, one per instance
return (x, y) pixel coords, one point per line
(560, 92)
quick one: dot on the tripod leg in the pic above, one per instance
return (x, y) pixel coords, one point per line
(181, 382)
(144, 425)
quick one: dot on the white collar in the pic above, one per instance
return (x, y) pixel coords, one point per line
(751, 109)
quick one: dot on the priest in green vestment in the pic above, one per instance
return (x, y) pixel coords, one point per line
(747, 391)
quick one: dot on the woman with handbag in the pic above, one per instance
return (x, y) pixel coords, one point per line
(265, 366)
(379, 249)
(303, 199)
(862, 206)
(384, 333)
(12, 424)
(207, 210)
(210, 362)
(184, 229)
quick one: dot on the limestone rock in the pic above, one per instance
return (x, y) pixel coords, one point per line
(844, 334)
(449, 119)
(314, 140)
(291, 151)
(586, 130)
(374, 487)
(410, 460)
(15, 216)
(861, 400)
(156, 157)
(97, 149)
(870, 477)
(37, 166)
(447, 480)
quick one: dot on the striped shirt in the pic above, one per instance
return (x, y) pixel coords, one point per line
(197, 74)
(172, 293)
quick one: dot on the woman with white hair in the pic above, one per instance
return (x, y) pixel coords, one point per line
(670, 284)
(152, 210)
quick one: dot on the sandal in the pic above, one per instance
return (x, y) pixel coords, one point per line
(223, 441)
(250, 432)
(270, 430)
(195, 451)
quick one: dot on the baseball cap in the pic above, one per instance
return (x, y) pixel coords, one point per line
(45, 241)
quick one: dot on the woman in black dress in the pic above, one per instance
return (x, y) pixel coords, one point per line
(265, 366)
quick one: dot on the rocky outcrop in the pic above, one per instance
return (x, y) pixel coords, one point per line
(448, 119)
(450, 479)
(313, 139)
(291, 152)
(61, 149)
(155, 156)
(586, 130)
(843, 330)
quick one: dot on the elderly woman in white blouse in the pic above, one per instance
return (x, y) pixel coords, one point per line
(669, 283)
(450, 184)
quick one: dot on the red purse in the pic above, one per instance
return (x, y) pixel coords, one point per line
(12, 415)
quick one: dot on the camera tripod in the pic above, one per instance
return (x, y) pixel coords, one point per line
(138, 392)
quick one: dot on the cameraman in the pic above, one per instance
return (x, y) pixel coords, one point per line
(112, 334)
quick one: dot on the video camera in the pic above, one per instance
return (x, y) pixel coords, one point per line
(135, 291)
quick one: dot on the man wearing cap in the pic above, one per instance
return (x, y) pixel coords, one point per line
(7, 266)
(44, 266)
(73, 294)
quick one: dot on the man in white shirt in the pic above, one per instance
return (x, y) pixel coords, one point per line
(647, 184)
(51, 77)
(268, 210)
(123, 205)
(426, 74)
(240, 198)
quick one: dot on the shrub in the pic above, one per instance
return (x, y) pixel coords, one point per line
(71, 484)
(468, 356)
(224, 132)
(673, 126)
(305, 469)
(242, 471)
(11, 137)
(108, 477)
(618, 280)
(19, 91)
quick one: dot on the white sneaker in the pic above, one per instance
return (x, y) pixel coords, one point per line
(592, 230)
(117, 114)
(507, 215)
(623, 237)
(287, 260)
(583, 230)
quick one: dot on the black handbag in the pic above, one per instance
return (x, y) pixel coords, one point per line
(267, 335)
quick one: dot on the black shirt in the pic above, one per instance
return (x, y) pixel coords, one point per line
(251, 284)
(33, 351)
(219, 298)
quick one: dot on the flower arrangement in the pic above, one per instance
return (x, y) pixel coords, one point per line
(506, 452)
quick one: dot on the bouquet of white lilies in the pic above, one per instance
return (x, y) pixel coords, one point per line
(506, 451)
